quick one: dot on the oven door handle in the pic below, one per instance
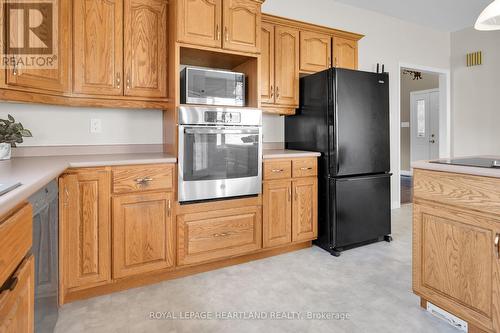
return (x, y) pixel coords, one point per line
(220, 131)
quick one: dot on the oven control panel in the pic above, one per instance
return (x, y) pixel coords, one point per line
(222, 117)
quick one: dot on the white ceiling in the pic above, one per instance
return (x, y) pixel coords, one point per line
(446, 15)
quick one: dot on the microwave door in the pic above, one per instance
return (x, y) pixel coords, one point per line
(214, 87)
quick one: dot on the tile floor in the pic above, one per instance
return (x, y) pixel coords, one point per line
(372, 284)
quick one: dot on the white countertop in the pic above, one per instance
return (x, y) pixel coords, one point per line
(36, 172)
(286, 153)
(484, 172)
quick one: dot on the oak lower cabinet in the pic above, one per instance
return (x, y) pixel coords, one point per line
(456, 252)
(345, 53)
(228, 24)
(290, 205)
(120, 48)
(85, 229)
(143, 235)
(17, 304)
(208, 236)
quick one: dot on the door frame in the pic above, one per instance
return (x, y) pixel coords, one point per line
(444, 121)
(413, 93)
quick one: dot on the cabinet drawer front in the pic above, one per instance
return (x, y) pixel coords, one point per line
(143, 178)
(307, 167)
(17, 305)
(468, 192)
(277, 169)
(15, 241)
(219, 234)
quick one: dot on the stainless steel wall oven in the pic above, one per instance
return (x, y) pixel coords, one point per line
(220, 153)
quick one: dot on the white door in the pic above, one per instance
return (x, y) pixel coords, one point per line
(424, 125)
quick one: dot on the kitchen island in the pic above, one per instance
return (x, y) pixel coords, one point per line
(456, 235)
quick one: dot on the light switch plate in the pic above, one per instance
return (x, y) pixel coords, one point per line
(95, 126)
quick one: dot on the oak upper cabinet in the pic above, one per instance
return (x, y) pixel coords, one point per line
(145, 48)
(305, 209)
(52, 80)
(315, 51)
(229, 24)
(98, 47)
(277, 213)
(285, 57)
(85, 226)
(242, 20)
(267, 63)
(287, 66)
(143, 233)
(200, 22)
(345, 53)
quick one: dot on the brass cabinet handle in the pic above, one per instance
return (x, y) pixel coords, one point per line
(336, 62)
(169, 206)
(296, 194)
(128, 81)
(289, 194)
(329, 64)
(14, 70)
(277, 170)
(118, 80)
(217, 32)
(226, 32)
(305, 169)
(277, 92)
(272, 92)
(222, 234)
(497, 242)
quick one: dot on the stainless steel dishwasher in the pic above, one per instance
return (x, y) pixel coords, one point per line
(45, 250)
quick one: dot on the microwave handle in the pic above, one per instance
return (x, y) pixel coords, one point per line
(220, 131)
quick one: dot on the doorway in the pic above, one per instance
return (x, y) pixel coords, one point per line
(421, 96)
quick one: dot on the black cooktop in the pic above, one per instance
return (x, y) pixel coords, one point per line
(479, 162)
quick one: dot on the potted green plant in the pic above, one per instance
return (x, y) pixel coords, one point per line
(11, 134)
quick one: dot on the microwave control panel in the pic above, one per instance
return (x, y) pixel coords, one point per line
(222, 117)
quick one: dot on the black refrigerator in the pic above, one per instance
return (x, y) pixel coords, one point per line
(344, 115)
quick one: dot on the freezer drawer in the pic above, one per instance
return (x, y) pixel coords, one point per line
(361, 209)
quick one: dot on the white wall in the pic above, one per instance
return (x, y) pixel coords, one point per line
(55, 125)
(388, 40)
(476, 94)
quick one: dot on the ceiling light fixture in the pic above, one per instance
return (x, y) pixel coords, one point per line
(490, 18)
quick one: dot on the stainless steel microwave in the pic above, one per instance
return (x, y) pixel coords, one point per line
(212, 87)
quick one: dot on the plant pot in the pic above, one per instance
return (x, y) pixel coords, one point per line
(5, 151)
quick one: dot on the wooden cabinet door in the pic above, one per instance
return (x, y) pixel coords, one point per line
(345, 53)
(242, 21)
(287, 66)
(98, 47)
(143, 234)
(315, 51)
(199, 22)
(305, 209)
(85, 229)
(267, 63)
(218, 234)
(146, 48)
(277, 213)
(17, 306)
(455, 263)
(56, 79)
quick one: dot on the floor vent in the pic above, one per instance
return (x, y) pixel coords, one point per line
(448, 317)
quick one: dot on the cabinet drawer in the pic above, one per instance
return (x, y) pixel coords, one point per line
(307, 167)
(277, 169)
(15, 240)
(143, 178)
(218, 234)
(17, 302)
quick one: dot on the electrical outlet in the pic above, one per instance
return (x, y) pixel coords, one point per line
(95, 126)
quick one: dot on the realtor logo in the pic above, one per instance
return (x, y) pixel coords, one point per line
(29, 34)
